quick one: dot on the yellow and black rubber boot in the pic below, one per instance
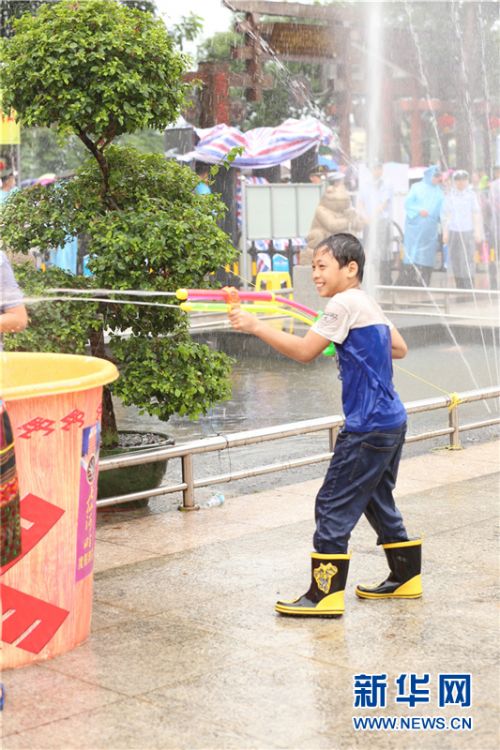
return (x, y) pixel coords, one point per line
(325, 597)
(405, 580)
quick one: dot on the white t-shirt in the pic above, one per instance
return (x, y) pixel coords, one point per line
(362, 336)
(10, 294)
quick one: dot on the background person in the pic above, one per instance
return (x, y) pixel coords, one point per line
(203, 171)
(13, 315)
(362, 473)
(446, 185)
(8, 184)
(423, 209)
(462, 228)
(374, 206)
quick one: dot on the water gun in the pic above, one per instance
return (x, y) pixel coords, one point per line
(221, 300)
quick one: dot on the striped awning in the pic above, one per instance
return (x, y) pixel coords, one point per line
(263, 147)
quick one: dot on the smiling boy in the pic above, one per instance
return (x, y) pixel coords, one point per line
(362, 473)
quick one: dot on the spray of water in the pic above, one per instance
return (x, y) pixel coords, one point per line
(297, 88)
(374, 76)
(470, 274)
(373, 72)
(484, 76)
(374, 58)
(425, 82)
(465, 88)
(445, 322)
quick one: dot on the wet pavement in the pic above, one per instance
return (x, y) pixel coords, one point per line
(186, 650)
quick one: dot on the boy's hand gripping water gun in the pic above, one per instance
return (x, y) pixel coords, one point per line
(231, 297)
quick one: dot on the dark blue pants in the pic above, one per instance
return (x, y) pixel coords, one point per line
(360, 479)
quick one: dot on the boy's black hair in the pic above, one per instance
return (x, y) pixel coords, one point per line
(344, 247)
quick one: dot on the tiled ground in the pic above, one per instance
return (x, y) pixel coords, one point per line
(186, 651)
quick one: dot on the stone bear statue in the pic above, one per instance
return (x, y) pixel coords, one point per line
(334, 214)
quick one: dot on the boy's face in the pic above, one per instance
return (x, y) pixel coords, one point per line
(329, 278)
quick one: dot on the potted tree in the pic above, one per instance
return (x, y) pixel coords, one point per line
(98, 69)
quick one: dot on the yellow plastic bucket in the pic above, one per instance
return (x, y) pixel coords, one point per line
(53, 403)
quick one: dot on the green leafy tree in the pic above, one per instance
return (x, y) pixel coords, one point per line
(12, 9)
(98, 70)
(43, 150)
(218, 47)
(187, 29)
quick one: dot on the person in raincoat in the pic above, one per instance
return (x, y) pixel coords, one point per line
(423, 209)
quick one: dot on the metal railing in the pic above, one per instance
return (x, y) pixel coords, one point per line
(186, 451)
(426, 297)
